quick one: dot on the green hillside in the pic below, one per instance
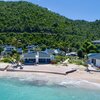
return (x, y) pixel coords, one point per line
(55, 30)
(27, 17)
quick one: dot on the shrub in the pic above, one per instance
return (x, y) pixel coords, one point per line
(77, 61)
(80, 54)
(53, 62)
(6, 60)
(60, 58)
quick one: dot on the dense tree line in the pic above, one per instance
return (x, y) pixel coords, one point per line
(67, 44)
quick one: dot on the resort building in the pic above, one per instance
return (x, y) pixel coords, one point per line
(71, 54)
(37, 58)
(94, 59)
(8, 49)
(19, 50)
(31, 48)
(96, 42)
(53, 51)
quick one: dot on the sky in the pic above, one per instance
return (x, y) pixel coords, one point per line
(73, 9)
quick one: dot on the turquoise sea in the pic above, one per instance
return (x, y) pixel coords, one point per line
(15, 89)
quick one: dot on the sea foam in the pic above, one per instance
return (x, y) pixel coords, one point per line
(39, 80)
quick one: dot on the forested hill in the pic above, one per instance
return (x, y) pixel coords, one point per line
(23, 16)
(27, 17)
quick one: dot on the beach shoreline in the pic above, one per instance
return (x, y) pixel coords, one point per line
(77, 78)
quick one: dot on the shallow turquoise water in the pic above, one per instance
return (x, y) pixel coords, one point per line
(13, 89)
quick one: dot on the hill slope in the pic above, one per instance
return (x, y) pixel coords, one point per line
(21, 17)
(27, 17)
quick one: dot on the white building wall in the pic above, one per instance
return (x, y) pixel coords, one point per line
(90, 60)
(98, 62)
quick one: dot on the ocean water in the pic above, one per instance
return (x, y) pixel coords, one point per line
(15, 89)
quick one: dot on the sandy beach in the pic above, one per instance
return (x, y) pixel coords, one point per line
(78, 77)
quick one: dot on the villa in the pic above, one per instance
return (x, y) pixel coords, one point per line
(8, 49)
(94, 59)
(37, 58)
(71, 54)
(96, 42)
(19, 50)
(53, 51)
(31, 48)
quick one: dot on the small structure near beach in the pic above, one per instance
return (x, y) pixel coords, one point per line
(31, 48)
(71, 54)
(19, 51)
(38, 57)
(96, 42)
(94, 59)
(53, 51)
(8, 49)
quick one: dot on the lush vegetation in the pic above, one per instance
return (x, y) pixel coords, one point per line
(23, 23)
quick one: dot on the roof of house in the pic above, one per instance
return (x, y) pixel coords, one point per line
(19, 50)
(9, 46)
(57, 51)
(41, 54)
(31, 54)
(49, 51)
(31, 46)
(71, 53)
(96, 41)
(94, 55)
(52, 51)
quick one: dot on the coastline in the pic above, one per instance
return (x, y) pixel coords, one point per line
(79, 78)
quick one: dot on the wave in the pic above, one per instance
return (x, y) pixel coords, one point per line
(81, 83)
(38, 81)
